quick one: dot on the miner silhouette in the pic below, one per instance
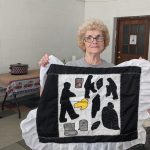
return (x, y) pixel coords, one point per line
(109, 117)
(89, 86)
(66, 105)
(111, 88)
(95, 105)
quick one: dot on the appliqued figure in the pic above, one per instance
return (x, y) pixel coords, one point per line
(89, 86)
(109, 117)
(66, 105)
(111, 88)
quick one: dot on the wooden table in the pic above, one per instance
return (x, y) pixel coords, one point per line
(17, 84)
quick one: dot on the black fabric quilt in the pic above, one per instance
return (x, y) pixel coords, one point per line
(89, 105)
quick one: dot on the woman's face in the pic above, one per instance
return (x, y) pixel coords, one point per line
(94, 42)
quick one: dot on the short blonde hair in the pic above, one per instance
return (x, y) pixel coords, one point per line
(92, 24)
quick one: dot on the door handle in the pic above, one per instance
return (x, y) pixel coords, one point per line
(118, 57)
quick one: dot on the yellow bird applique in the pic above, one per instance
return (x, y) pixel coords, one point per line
(83, 104)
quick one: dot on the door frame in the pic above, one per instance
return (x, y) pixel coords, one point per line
(117, 22)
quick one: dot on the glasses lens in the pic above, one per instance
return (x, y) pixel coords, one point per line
(99, 38)
(90, 39)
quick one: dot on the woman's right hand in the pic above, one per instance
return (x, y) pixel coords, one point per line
(44, 60)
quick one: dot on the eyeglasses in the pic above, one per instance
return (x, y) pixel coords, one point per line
(90, 38)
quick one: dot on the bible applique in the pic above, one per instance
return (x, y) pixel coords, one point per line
(89, 105)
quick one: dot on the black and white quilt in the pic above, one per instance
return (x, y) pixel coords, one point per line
(88, 105)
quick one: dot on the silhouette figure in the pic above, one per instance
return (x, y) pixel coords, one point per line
(109, 117)
(66, 105)
(95, 105)
(111, 88)
(89, 86)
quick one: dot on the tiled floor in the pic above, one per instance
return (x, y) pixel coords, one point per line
(10, 133)
(20, 145)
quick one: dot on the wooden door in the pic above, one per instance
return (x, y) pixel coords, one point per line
(132, 40)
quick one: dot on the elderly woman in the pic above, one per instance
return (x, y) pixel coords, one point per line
(93, 38)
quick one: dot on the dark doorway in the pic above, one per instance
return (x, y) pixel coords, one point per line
(132, 40)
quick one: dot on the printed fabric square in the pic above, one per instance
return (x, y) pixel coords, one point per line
(88, 105)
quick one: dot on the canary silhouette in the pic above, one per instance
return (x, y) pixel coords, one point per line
(83, 104)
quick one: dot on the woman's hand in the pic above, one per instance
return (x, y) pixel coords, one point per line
(44, 60)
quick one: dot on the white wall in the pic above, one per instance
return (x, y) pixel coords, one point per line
(29, 28)
(107, 10)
